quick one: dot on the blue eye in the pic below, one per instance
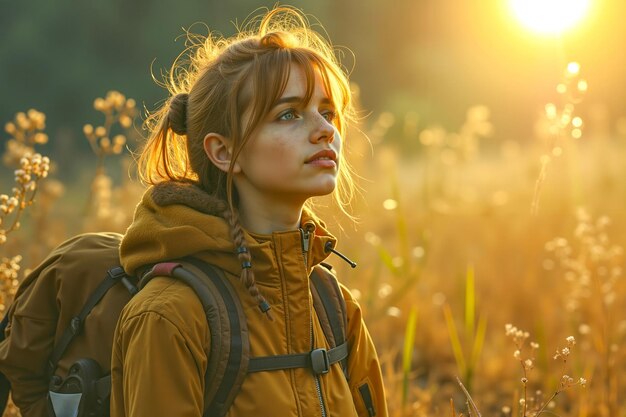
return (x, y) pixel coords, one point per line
(330, 116)
(288, 115)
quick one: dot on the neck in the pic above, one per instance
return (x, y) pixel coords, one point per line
(266, 217)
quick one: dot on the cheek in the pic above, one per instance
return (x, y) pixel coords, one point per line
(275, 157)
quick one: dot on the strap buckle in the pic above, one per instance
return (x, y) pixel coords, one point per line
(320, 364)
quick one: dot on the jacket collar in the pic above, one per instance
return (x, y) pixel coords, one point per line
(176, 219)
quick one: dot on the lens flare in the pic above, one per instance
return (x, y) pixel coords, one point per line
(550, 16)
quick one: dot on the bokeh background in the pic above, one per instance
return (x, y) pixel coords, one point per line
(493, 178)
(432, 57)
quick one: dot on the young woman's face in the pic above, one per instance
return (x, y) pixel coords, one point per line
(294, 153)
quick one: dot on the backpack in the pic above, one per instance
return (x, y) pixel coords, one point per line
(71, 352)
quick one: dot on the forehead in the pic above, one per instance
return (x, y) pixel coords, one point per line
(305, 84)
(280, 75)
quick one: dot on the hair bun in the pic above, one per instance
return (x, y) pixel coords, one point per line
(178, 113)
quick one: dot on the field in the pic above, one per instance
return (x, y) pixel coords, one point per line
(494, 261)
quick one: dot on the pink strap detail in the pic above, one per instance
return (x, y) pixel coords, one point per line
(164, 269)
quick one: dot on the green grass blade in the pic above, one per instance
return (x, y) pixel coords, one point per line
(470, 302)
(387, 260)
(479, 340)
(457, 350)
(407, 354)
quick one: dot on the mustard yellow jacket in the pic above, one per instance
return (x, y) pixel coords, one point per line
(160, 347)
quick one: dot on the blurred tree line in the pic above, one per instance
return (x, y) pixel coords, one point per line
(431, 58)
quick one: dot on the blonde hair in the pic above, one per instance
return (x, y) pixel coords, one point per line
(208, 85)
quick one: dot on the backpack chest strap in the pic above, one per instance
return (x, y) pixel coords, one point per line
(318, 360)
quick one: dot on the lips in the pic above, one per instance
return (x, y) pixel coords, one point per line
(323, 155)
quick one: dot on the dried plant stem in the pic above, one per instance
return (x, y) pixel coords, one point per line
(525, 405)
(23, 203)
(545, 404)
(452, 408)
(534, 207)
(469, 398)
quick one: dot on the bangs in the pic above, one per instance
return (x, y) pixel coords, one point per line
(268, 78)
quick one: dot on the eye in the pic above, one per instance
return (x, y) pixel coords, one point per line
(288, 115)
(329, 115)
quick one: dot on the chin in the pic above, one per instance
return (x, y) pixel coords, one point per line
(323, 190)
(320, 188)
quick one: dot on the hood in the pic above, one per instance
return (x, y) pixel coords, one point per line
(175, 219)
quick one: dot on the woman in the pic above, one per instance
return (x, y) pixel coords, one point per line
(252, 132)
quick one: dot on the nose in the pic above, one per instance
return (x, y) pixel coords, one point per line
(323, 130)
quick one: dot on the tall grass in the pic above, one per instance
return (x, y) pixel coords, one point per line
(463, 198)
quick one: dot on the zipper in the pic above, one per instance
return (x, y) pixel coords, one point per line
(318, 386)
(306, 240)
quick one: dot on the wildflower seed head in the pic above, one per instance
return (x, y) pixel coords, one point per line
(99, 104)
(10, 128)
(105, 143)
(126, 121)
(22, 121)
(40, 138)
(571, 341)
(582, 382)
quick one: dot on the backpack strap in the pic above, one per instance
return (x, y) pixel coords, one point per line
(228, 362)
(330, 307)
(114, 275)
(318, 360)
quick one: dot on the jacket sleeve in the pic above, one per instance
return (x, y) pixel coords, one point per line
(157, 369)
(366, 382)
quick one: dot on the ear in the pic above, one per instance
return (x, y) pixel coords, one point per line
(217, 148)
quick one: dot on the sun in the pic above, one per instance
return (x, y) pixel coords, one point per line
(550, 16)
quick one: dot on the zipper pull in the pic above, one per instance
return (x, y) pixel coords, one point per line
(306, 237)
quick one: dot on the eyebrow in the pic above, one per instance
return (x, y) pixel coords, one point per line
(297, 99)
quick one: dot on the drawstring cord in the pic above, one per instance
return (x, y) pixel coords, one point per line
(329, 248)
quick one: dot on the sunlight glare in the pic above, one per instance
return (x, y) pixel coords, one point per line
(550, 16)
(573, 68)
